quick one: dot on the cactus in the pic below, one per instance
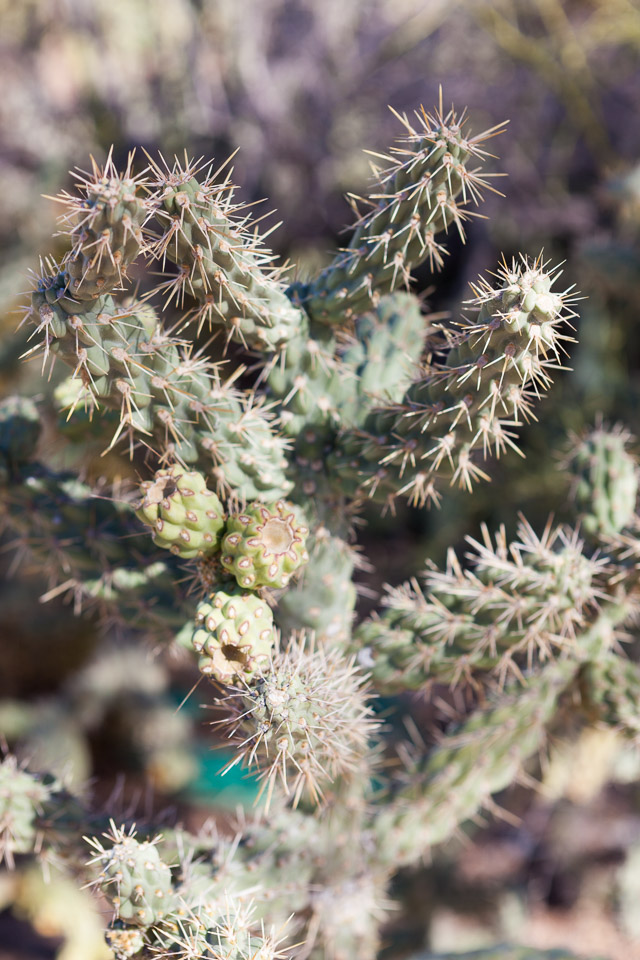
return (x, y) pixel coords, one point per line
(241, 547)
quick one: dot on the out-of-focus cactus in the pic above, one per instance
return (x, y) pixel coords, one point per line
(254, 483)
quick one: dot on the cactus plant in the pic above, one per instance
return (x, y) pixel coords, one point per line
(256, 487)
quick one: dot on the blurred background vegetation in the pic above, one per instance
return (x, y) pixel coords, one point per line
(301, 87)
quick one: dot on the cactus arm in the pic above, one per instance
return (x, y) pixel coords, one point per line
(221, 260)
(500, 364)
(525, 601)
(485, 755)
(413, 200)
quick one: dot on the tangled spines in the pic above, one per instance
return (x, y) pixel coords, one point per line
(305, 721)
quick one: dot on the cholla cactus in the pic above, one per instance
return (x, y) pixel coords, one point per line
(254, 487)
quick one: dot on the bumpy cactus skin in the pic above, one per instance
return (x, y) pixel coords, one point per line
(233, 635)
(264, 545)
(184, 515)
(241, 547)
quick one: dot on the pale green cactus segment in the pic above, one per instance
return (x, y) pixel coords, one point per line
(105, 226)
(323, 599)
(233, 635)
(163, 394)
(498, 365)
(208, 930)
(134, 878)
(309, 381)
(605, 480)
(483, 756)
(383, 358)
(413, 201)
(305, 721)
(184, 515)
(265, 545)
(525, 601)
(221, 260)
(23, 796)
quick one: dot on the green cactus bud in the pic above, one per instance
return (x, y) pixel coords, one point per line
(265, 545)
(233, 635)
(184, 515)
(134, 878)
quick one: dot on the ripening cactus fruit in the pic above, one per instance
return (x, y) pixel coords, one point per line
(185, 517)
(233, 635)
(264, 545)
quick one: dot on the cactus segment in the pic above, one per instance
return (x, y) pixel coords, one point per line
(605, 480)
(304, 722)
(233, 635)
(493, 372)
(133, 877)
(323, 599)
(483, 756)
(265, 545)
(106, 229)
(220, 259)
(523, 602)
(23, 796)
(414, 200)
(185, 517)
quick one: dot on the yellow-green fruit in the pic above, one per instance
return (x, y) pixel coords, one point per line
(265, 545)
(233, 635)
(184, 515)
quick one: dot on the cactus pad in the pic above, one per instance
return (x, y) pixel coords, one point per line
(265, 545)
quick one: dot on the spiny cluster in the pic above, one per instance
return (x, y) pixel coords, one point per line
(414, 201)
(304, 722)
(494, 370)
(525, 601)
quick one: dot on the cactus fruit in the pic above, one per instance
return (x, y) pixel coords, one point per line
(264, 545)
(184, 515)
(233, 635)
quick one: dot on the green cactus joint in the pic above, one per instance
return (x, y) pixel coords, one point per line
(265, 545)
(22, 796)
(233, 635)
(184, 515)
(605, 480)
(134, 878)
